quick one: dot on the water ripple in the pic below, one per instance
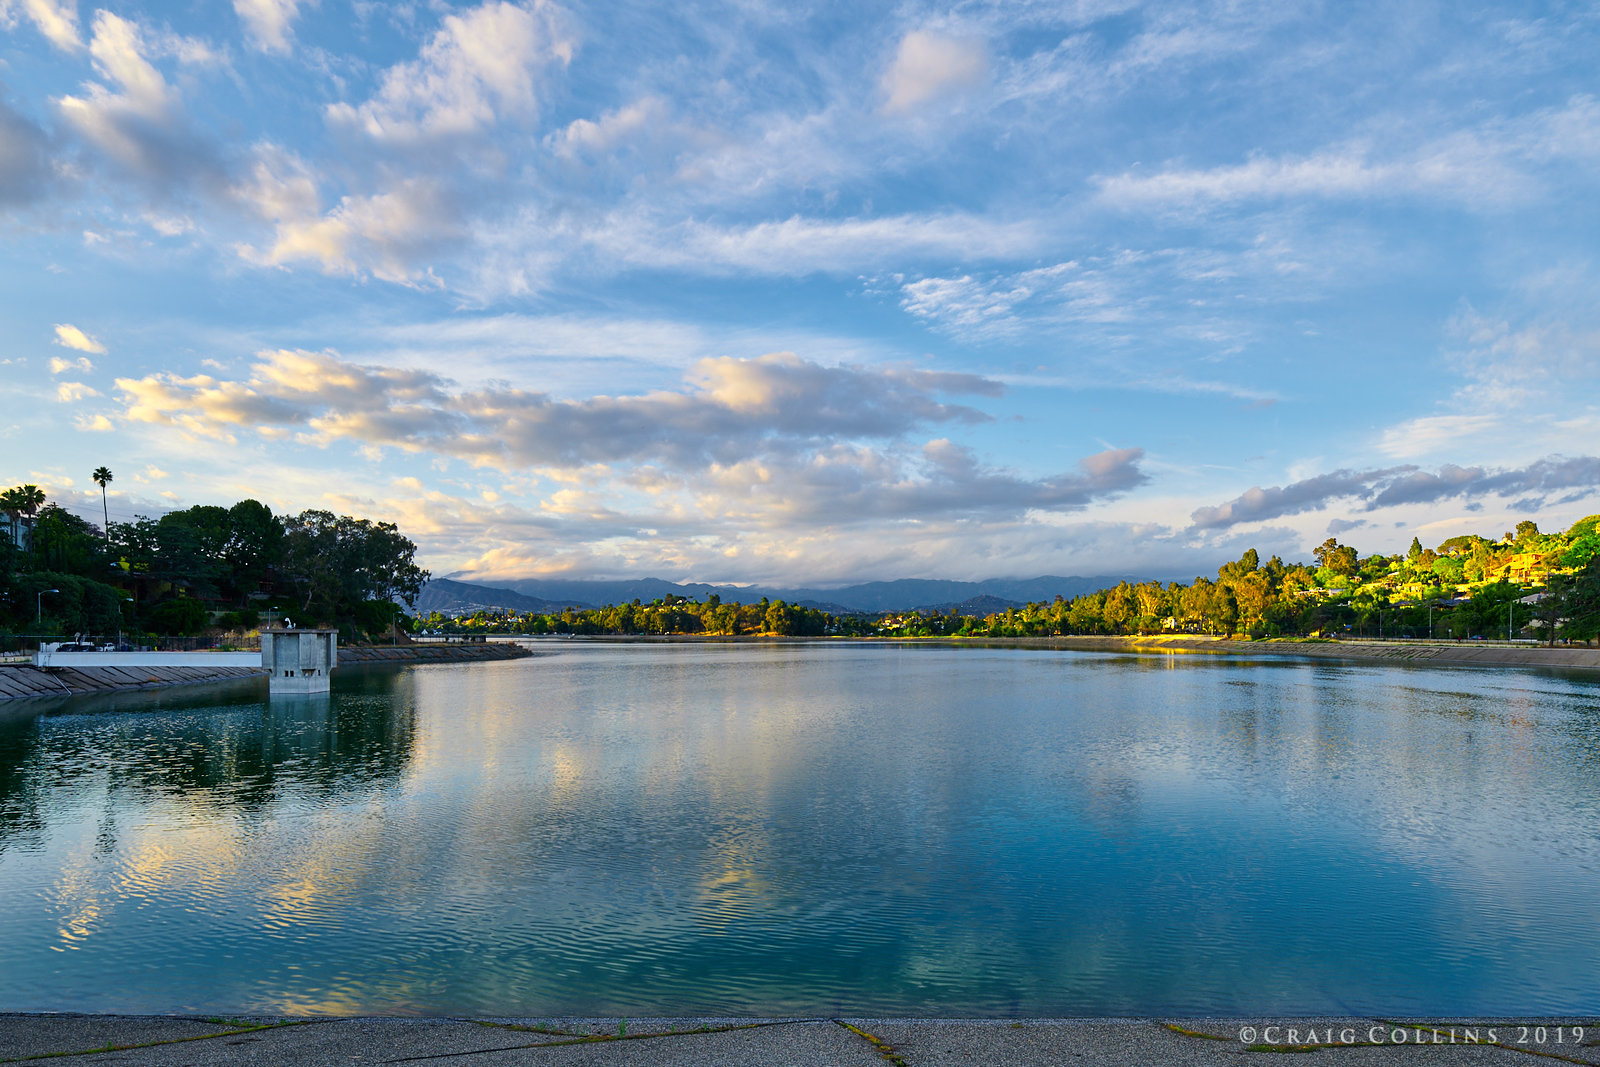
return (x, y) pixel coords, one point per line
(673, 830)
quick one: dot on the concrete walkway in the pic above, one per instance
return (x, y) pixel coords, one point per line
(178, 1041)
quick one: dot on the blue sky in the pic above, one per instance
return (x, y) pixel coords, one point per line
(784, 293)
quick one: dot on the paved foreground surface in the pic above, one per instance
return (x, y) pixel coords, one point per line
(188, 1040)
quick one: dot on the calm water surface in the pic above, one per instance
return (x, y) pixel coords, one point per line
(664, 830)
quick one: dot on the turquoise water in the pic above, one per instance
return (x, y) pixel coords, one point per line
(666, 830)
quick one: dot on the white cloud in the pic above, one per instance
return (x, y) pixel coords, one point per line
(143, 125)
(1461, 169)
(1507, 366)
(965, 304)
(479, 68)
(581, 137)
(1424, 436)
(928, 67)
(57, 21)
(69, 336)
(1490, 166)
(384, 233)
(268, 22)
(800, 245)
(71, 392)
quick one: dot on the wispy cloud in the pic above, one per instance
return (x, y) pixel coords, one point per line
(481, 67)
(269, 22)
(1426, 434)
(1491, 165)
(1570, 478)
(800, 245)
(57, 21)
(142, 124)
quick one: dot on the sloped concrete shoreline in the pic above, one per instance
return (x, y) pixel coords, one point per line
(182, 1041)
(20, 681)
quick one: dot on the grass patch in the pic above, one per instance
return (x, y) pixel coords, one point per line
(883, 1047)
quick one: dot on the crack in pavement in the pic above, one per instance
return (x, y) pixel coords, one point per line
(165, 1041)
(600, 1039)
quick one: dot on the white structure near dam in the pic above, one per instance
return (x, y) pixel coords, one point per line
(50, 656)
(299, 661)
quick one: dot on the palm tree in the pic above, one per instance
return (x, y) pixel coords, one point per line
(29, 499)
(102, 478)
(11, 504)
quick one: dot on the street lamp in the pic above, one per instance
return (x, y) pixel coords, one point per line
(38, 617)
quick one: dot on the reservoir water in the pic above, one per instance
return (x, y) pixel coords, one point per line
(782, 829)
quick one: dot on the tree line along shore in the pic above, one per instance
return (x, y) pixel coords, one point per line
(1527, 582)
(227, 570)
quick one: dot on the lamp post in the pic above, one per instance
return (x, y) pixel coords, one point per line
(38, 615)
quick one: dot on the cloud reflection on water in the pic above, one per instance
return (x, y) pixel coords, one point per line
(647, 829)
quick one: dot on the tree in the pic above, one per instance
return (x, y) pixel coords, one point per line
(254, 546)
(180, 615)
(102, 477)
(1340, 559)
(1323, 551)
(1584, 536)
(190, 546)
(29, 499)
(64, 542)
(11, 504)
(1494, 610)
(81, 605)
(337, 562)
(1556, 603)
(1582, 607)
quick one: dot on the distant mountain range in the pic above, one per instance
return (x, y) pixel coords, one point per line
(981, 605)
(451, 597)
